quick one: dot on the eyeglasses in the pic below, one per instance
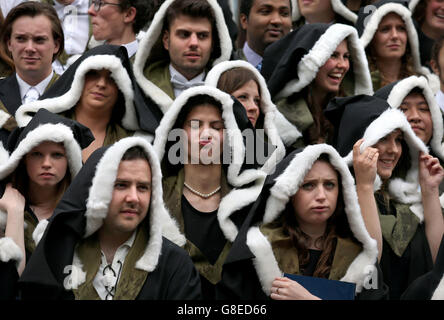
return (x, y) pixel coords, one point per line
(99, 3)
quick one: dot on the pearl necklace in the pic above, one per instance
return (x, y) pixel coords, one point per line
(200, 194)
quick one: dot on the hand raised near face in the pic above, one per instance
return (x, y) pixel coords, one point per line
(12, 200)
(365, 164)
(431, 173)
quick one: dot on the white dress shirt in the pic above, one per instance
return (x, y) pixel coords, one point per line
(252, 57)
(107, 278)
(75, 23)
(180, 83)
(7, 5)
(25, 87)
(131, 48)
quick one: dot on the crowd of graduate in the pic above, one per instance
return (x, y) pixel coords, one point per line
(166, 150)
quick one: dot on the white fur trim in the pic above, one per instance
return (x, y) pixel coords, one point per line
(439, 291)
(3, 118)
(73, 95)
(234, 201)
(4, 154)
(39, 231)
(152, 36)
(287, 184)
(233, 133)
(275, 124)
(9, 250)
(310, 64)
(77, 275)
(337, 6)
(405, 191)
(58, 133)
(340, 8)
(100, 195)
(399, 93)
(418, 210)
(265, 262)
(413, 4)
(376, 17)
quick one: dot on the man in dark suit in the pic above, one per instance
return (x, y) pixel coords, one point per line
(33, 36)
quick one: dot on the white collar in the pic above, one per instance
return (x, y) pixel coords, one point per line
(24, 86)
(176, 74)
(251, 55)
(131, 47)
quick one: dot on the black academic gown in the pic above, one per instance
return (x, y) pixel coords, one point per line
(240, 280)
(10, 93)
(173, 278)
(424, 287)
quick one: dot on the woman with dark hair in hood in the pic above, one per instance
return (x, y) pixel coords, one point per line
(244, 82)
(306, 221)
(310, 66)
(208, 175)
(388, 157)
(46, 156)
(98, 91)
(415, 98)
(389, 36)
(429, 16)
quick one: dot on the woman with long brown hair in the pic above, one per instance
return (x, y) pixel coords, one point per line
(46, 156)
(244, 82)
(309, 67)
(6, 63)
(306, 222)
(391, 41)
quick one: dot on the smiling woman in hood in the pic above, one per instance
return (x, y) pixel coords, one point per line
(429, 17)
(306, 221)
(379, 142)
(415, 98)
(99, 91)
(45, 157)
(310, 66)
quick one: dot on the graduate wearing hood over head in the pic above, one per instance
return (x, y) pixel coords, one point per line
(244, 82)
(323, 11)
(46, 155)
(185, 39)
(306, 221)
(98, 91)
(108, 239)
(210, 176)
(414, 97)
(428, 16)
(310, 66)
(388, 34)
(387, 156)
